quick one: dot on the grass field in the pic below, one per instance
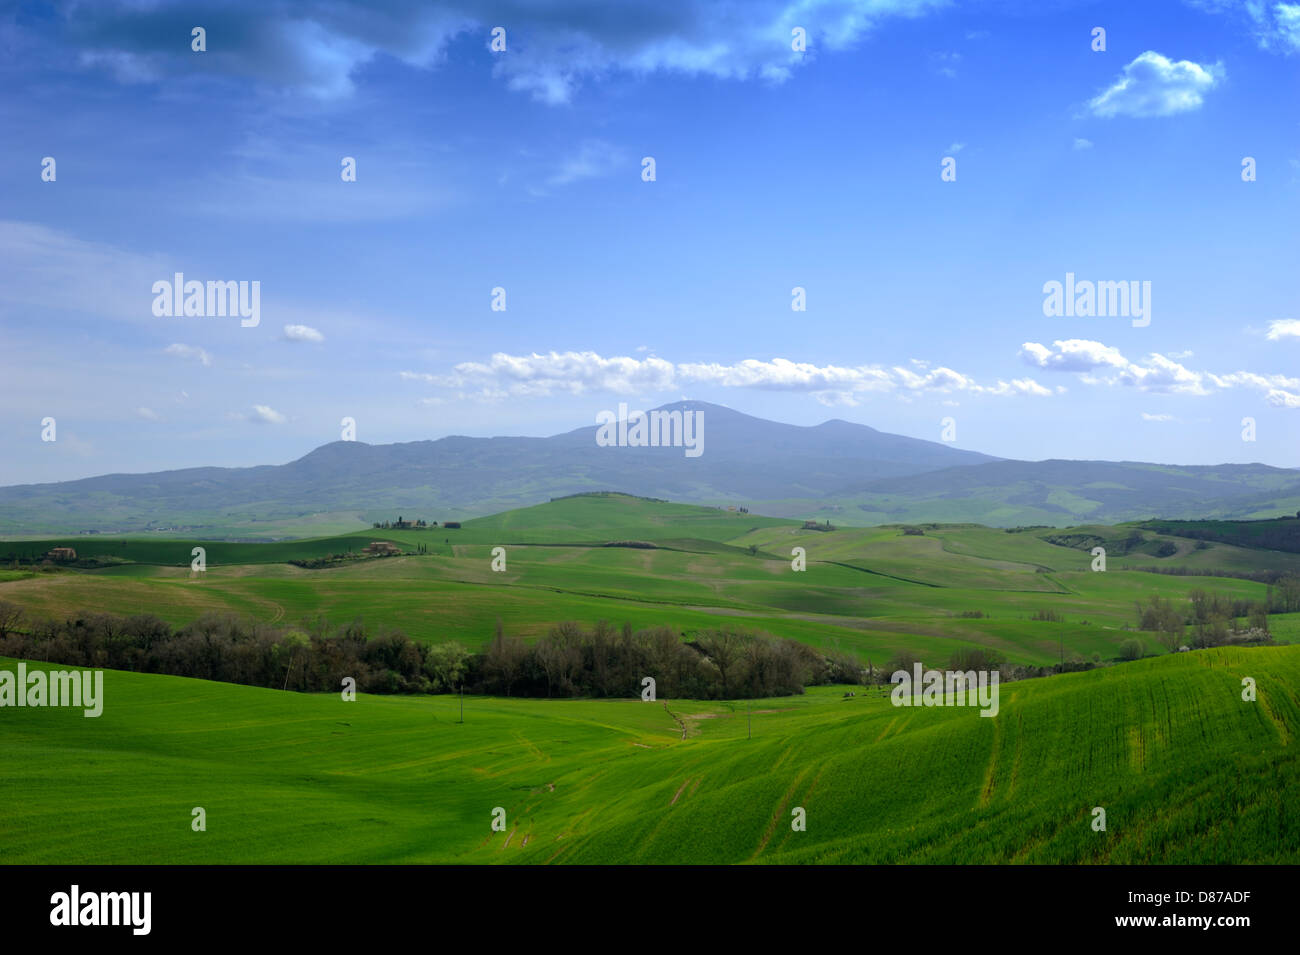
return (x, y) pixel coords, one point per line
(1185, 770)
(871, 591)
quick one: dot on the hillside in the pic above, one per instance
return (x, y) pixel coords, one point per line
(873, 592)
(1186, 771)
(1010, 493)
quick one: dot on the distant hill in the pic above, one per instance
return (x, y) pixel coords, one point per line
(745, 458)
(849, 472)
(1059, 492)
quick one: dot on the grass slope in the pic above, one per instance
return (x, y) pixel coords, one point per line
(1186, 771)
(871, 591)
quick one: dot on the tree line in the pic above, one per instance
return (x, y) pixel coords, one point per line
(568, 661)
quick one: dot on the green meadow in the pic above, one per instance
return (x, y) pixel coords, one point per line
(870, 591)
(1184, 768)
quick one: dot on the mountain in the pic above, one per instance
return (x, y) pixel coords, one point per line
(849, 472)
(744, 458)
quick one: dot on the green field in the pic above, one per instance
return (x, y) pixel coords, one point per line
(1186, 771)
(871, 591)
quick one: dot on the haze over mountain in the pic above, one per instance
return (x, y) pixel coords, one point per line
(849, 472)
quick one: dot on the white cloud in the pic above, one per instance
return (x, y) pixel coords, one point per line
(148, 414)
(1163, 374)
(955, 148)
(1080, 143)
(189, 352)
(1157, 417)
(1073, 354)
(578, 372)
(1249, 379)
(1157, 373)
(1101, 365)
(302, 333)
(266, 415)
(1276, 25)
(1154, 85)
(1287, 25)
(1283, 328)
(1282, 399)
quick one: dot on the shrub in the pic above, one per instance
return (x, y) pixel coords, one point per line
(1131, 650)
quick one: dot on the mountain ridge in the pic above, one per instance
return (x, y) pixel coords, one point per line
(855, 472)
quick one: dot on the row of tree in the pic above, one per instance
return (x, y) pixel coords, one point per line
(568, 661)
(604, 661)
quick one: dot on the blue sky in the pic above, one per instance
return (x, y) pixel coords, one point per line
(522, 169)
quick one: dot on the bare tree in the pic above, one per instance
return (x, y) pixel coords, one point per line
(11, 616)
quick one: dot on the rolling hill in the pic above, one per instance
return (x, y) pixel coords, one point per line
(870, 591)
(1185, 770)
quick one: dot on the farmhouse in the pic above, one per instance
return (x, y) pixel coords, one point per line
(62, 553)
(382, 548)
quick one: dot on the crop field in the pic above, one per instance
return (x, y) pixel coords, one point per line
(869, 591)
(1185, 769)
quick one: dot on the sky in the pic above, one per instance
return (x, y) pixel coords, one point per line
(922, 170)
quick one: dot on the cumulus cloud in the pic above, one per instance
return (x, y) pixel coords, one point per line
(302, 333)
(189, 352)
(578, 372)
(1080, 143)
(1073, 354)
(1099, 364)
(1157, 417)
(319, 46)
(1283, 328)
(1154, 85)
